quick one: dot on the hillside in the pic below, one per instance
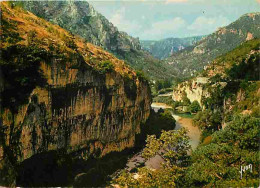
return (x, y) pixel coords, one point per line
(193, 59)
(164, 48)
(60, 94)
(230, 120)
(240, 64)
(227, 155)
(80, 18)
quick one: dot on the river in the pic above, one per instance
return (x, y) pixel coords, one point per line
(155, 162)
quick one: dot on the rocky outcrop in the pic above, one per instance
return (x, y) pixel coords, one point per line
(193, 89)
(88, 113)
(80, 18)
(60, 93)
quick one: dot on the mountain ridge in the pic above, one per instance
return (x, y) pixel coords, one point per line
(193, 59)
(80, 18)
(166, 47)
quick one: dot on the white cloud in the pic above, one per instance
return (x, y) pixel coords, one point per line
(169, 25)
(175, 1)
(205, 25)
(179, 27)
(165, 28)
(119, 20)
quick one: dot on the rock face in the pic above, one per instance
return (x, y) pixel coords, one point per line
(62, 93)
(192, 59)
(80, 18)
(89, 113)
(192, 88)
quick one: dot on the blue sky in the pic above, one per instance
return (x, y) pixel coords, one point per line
(158, 19)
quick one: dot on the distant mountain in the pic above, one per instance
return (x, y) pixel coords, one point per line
(80, 18)
(193, 59)
(164, 48)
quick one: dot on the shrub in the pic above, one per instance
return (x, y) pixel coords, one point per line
(186, 100)
(141, 76)
(194, 107)
(105, 66)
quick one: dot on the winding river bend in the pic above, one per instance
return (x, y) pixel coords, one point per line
(194, 132)
(155, 162)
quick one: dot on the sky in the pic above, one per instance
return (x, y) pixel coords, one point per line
(159, 19)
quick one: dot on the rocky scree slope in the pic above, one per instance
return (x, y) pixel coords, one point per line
(58, 92)
(193, 59)
(162, 49)
(80, 18)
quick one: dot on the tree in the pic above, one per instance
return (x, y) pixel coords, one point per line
(194, 107)
(217, 164)
(172, 146)
(162, 120)
(186, 100)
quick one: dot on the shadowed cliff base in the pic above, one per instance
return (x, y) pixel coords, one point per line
(57, 168)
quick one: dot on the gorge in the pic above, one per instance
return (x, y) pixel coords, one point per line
(84, 104)
(73, 97)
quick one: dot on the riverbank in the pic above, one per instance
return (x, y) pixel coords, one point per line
(155, 162)
(194, 132)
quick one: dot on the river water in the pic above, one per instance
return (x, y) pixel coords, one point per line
(155, 162)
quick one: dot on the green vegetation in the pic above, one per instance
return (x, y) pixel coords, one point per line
(20, 68)
(105, 66)
(167, 100)
(219, 162)
(194, 58)
(233, 102)
(157, 122)
(172, 146)
(194, 107)
(141, 76)
(162, 84)
(185, 100)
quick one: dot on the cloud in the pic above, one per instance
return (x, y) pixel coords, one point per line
(169, 25)
(123, 24)
(178, 27)
(175, 1)
(204, 25)
(165, 28)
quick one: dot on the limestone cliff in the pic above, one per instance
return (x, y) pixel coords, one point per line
(59, 92)
(193, 89)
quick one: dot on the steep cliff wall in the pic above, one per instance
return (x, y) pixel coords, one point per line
(193, 89)
(62, 93)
